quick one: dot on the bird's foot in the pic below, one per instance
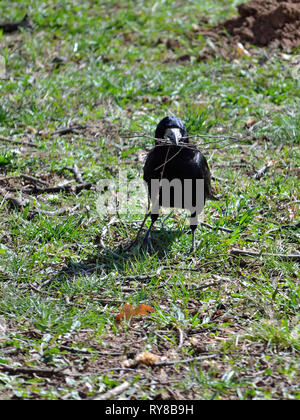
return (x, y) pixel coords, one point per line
(192, 250)
(147, 246)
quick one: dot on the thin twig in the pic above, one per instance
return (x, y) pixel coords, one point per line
(89, 351)
(63, 188)
(291, 225)
(75, 171)
(25, 176)
(77, 174)
(168, 160)
(30, 370)
(140, 277)
(46, 282)
(218, 137)
(109, 301)
(114, 392)
(33, 179)
(206, 285)
(231, 141)
(260, 173)
(17, 202)
(181, 338)
(216, 227)
(23, 143)
(247, 253)
(68, 130)
(59, 212)
(36, 289)
(192, 359)
(225, 230)
(4, 276)
(101, 241)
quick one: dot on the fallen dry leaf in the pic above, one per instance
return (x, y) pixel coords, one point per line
(146, 358)
(129, 312)
(250, 122)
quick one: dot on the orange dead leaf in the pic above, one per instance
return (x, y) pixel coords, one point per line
(143, 310)
(146, 358)
(250, 122)
(129, 312)
(126, 314)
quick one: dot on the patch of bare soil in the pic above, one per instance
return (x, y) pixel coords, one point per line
(266, 23)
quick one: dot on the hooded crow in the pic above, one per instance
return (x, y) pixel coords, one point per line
(176, 174)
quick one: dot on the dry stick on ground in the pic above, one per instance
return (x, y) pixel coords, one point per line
(22, 143)
(30, 371)
(36, 289)
(33, 179)
(218, 280)
(218, 137)
(291, 225)
(59, 212)
(102, 301)
(52, 372)
(112, 253)
(114, 392)
(216, 227)
(75, 171)
(4, 276)
(181, 338)
(225, 230)
(241, 252)
(108, 301)
(260, 173)
(90, 351)
(204, 286)
(77, 174)
(25, 176)
(139, 277)
(4, 198)
(64, 188)
(21, 204)
(192, 359)
(45, 283)
(61, 188)
(17, 202)
(68, 130)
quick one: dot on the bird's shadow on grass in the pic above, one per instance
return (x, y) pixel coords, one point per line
(119, 258)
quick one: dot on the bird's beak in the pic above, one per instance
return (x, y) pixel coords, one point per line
(174, 135)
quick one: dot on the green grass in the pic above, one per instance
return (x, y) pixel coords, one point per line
(108, 67)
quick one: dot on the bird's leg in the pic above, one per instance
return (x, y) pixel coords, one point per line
(193, 229)
(147, 243)
(138, 234)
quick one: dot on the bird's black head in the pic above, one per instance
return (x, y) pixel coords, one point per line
(171, 128)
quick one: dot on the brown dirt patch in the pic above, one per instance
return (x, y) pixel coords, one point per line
(266, 23)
